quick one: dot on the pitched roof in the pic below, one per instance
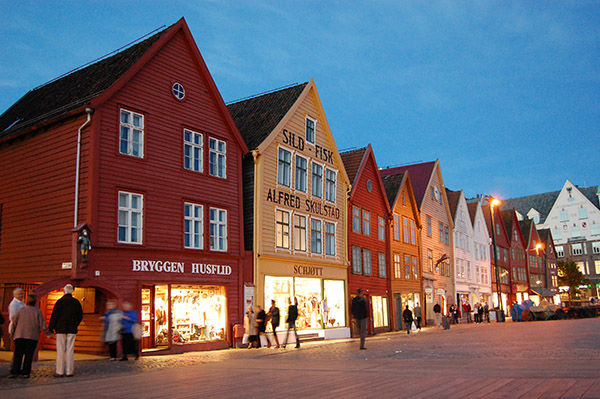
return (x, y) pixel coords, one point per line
(453, 197)
(391, 184)
(72, 91)
(540, 202)
(256, 117)
(420, 175)
(507, 218)
(352, 161)
(472, 211)
(525, 229)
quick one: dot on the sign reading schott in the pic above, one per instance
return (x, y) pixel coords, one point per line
(160, 266)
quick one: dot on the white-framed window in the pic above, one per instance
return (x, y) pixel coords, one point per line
(557, 234)
(192, 150)
(367, 271)
(446, 235)
(301, 173)
(131, 137)
(577, 249)
(595, 229)
(193, 221)
(405, 230)
(329, 238)
(596, 247)
(316, 236)
(311, 126)
(300, 233)
(597, 266)
(282, 229)
(380, 228)
(415, 268)
(381, 269)
(564, 216)
(430, 260)
(396, 227)
(583, 213)
(441, 228)
(413, 232)
(356, 260)
(217, 158)
(218, 229)
(397, 266)
(406, 267)
(429, 229)
(284, 168)
(330, 184)
(366, 219)
(317, 180)
(356, 219)
(575, 231)
(560, 252)
(130, 217)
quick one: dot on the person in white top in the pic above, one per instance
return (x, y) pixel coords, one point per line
(16, 304)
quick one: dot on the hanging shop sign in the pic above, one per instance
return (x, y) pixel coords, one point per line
(160, 266)
(440, 291)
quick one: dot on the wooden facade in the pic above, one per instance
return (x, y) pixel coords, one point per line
(517, 257)
(38, 200)
(499, 255)
(368, 221)
(406, 289)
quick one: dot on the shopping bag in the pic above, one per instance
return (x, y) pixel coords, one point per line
(413, 327)
(245, 339)
(136, 331)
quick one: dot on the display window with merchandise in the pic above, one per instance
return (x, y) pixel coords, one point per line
(321, 302)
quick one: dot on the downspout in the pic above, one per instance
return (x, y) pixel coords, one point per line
(88, 111)
(256, 244)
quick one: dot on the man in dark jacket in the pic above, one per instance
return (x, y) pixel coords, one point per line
(437, 311)
(66, 316)
(273, 315)
(291, 320)
(360, 313)
(408, 319)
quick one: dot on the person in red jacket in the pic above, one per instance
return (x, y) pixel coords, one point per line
(467, 309)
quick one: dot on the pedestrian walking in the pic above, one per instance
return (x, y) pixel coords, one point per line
(418, 315)
(360, 313)
(273, 316)
(407, 316)
(291, 320)
(15, 305)
(454, 313)
(480, 313)
(261, 324)
(250, 326)
(486, 312)
(467, 310)
(437, 312)
(112, 328)
(25, 331)
(65, 318)
(128, 342)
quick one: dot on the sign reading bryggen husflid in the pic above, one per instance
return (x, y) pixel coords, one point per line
(297, 207)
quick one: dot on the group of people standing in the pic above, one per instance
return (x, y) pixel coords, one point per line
(475, 313)
(255, 324)
(27, 322)
(120, 325)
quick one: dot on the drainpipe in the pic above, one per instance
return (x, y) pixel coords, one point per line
(88, 111)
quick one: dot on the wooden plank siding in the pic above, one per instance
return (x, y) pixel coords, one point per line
(37, 196)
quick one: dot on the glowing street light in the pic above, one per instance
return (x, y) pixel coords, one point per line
(496, 202)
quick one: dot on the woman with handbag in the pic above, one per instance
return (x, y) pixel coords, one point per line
(128, 342)
(112, 328)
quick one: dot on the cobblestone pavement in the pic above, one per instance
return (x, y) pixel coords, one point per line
(551, 359)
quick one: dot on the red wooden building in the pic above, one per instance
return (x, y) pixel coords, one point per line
(518, 259)
(498, 234)
(549, 263)
(138, 150)
(368, 214)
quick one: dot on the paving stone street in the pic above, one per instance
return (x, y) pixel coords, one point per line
(551, 359)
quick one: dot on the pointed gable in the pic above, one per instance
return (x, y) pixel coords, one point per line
(257, 117)
(353, 161)
(453, 198)
(472, 207)
(420, 175)
(392, 185)
(525, 226)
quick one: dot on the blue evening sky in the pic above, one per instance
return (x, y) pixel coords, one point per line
(505, 93)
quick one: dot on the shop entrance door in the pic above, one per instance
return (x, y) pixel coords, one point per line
(147, 314)
(398, 313)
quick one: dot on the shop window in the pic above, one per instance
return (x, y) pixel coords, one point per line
(131, 140)
(279, 289)
(309, 294)
(282, 230)
(330, 184)
(356, 219)
(396, 227)
(317, 180)
(316, 238)
(300, 233)
(130, 217)
(310, 130)
(356, 260)
(406, 267)
(380, 311)
(381, 269)
(199, 313)
(217, 159)
(334, 303)
(284, 166)
(193, 221)
(367, 270)
(218, 229)
(366, 218)
(381, 228)
(192, 150)
(329, 238)
(397, 266)
(301, 173)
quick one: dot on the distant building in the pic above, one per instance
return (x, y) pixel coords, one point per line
(573, 216)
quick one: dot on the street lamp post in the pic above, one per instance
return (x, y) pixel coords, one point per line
(500, 313)
(539, 247)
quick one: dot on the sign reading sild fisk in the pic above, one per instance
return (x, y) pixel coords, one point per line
(159, 266)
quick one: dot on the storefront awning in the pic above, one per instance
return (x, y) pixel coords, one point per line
(542, 291)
